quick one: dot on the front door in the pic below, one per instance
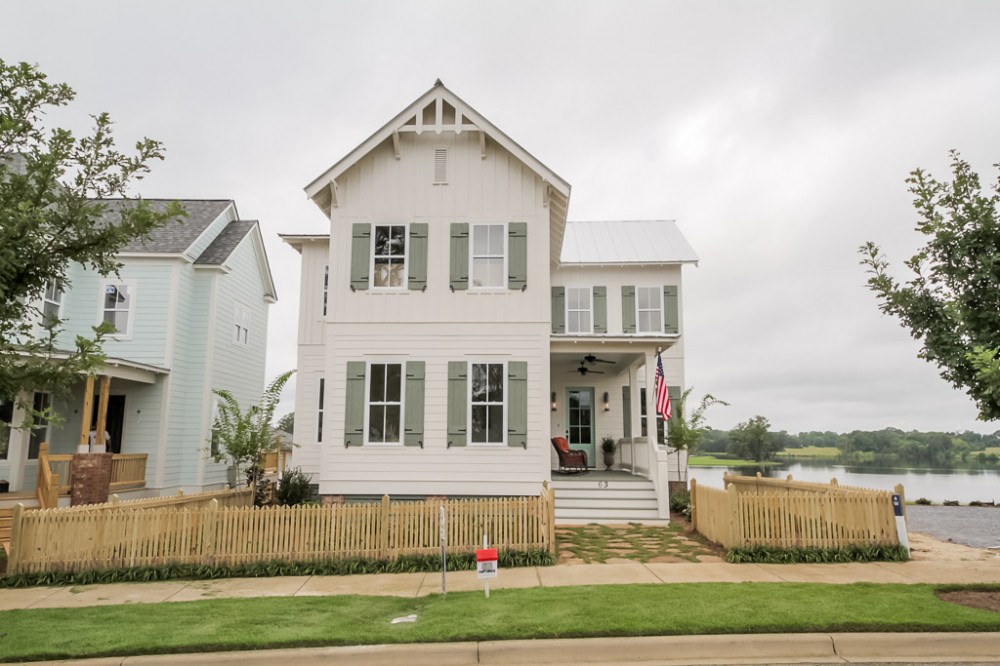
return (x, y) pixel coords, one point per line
(580, 407)
(116, 420)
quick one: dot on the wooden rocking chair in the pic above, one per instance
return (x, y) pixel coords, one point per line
(570, 461)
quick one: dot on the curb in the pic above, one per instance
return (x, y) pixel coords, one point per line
(662, 650)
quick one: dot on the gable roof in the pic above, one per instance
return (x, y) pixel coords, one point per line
(225, 242)
(177, 235)
(322, 189)
(626, 242)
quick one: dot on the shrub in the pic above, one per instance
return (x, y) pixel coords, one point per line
(680, 502)
(854, 553)
(922, 500)
(293, 487)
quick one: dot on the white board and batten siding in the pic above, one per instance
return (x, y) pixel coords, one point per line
(436, 325)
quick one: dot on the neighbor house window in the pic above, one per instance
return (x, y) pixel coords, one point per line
(659, 418)
(119, 300)
(385, 402)
(6, 419)
(40, 427)
(649, 302)
(389, 256)
(579, 310)
(319, 412)
(326, 286)
(52, 302)
(241, 325)
(489, 265)
(487, 402)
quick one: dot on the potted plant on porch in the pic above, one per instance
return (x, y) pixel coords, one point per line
(608, 446)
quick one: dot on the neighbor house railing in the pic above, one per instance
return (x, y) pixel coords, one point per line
(55, 474)
(100, 537)
(790, 514)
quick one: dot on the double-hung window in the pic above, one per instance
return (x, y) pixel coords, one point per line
(486, 398)
(385, 403)
(489, 256)
(389, 256)
(649, 302)
(579, 310)
(326, 286)
(52, 302)
(118, 304)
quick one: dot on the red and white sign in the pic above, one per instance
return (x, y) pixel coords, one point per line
(486, 562)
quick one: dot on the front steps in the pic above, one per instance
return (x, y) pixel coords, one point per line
(605, 498)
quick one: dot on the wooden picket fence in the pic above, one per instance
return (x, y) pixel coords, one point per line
(78, 540)
(790, 514)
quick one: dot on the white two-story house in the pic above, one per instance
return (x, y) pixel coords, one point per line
(452, 322)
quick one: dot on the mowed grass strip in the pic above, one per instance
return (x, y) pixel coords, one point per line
(811, 452)
(607, 610)
(713, 461)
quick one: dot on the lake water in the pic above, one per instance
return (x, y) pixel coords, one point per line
(936, 485)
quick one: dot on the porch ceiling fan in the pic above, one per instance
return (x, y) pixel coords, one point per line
(590, 358)
(584, 370)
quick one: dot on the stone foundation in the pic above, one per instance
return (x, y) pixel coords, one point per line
(91, 478)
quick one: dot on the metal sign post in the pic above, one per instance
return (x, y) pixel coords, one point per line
(444, 557)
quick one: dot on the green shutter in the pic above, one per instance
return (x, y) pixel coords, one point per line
(361, 239)
(671, 315)
(458, 403)
(628, 309)
(675, 404)
(517, 262)
(459, 255)
(413, 426)
(627, 411)
(558, 310)
(600, 309)
(517, 403)
(354, 404)
(418, 256)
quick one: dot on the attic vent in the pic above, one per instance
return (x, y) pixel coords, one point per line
(440, 166)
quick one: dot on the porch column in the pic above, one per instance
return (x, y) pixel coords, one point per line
(100, 444)
(17, 442)
(88, 408)
(651, 397)
(636, 404)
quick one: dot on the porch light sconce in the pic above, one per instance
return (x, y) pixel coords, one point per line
(553, 401)
(607, 407)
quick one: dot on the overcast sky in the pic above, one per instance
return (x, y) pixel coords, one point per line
(777, 134)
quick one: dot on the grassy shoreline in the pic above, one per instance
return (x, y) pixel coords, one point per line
(607, 610)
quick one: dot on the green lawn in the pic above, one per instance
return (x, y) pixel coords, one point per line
(712, 461)
(608, 610)
(812, 452)
(995, 450)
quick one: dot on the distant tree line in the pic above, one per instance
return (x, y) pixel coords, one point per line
(888, 447)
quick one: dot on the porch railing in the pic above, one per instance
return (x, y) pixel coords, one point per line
(635, 455)
(55, 474)
(128, 470)
(47, 485)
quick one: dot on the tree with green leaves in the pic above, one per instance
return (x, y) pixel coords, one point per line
(752, 440)
(286, 423)
(51, 216)
(951, 303)
(686, 431)
(243, 436)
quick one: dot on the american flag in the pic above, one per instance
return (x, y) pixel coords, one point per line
(662, 397)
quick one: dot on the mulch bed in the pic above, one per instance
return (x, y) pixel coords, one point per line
(985, 599)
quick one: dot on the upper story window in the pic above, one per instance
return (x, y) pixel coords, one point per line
(489, 256)
(440, 166)
(52, 302)
(649, 302)
(389, 256)
(385, 403)
(579, 310)
(241, 325)
(118, 308)
(486, 403)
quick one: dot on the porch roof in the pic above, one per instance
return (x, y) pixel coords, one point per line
(625, 242)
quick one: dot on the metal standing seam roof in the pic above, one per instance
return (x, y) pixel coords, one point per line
(177, 235)
(625, 242)
(224, 244)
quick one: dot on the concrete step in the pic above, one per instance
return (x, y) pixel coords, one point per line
(582, 516)
(605, 494)
(602, 484)
(621, 505)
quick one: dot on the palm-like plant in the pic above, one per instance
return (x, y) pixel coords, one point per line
(244, 437)
(685, 431)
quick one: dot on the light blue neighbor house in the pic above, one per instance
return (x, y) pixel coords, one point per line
(190, 308)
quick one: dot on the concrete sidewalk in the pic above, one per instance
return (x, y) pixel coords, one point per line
(420, 584)
(980, 648)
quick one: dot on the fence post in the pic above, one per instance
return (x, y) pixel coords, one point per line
(902, 499)
(14, 560)
(384, 528)
(735, 530)
(208, 531)
(694, 504)
(552, 521)
(833, 482)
